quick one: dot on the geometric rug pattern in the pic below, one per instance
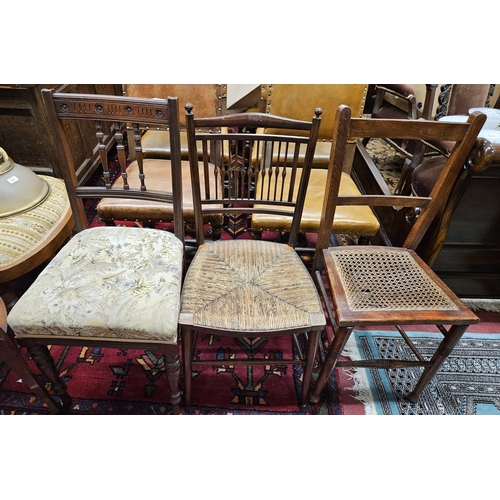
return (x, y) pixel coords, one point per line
(468, 382)
(131, 381)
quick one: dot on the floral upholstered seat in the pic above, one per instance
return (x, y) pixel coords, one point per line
(91, 290)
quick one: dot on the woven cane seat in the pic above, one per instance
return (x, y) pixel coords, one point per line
(269, 287)
(382, 283)
(91, 290)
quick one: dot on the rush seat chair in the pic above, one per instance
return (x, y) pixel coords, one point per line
(384, 285)
(109, 286)
(250, 288)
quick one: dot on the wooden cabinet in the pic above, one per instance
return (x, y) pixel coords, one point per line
(23, 127)
(469, 262)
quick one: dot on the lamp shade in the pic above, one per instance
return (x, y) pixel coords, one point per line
(20, 188)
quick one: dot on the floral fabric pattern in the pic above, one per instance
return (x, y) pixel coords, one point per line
(107, 282)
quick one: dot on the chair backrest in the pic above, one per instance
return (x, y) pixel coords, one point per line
(399, 101)
(458, 98)
(416, 212)
(296, 100)
(67, 111)
(245, 168)
(209, 99)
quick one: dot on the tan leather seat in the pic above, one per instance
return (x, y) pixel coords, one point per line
(297, 100)
(348, 219)
(159, 176)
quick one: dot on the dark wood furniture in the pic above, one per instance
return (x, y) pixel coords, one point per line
(248, 288)
(25, 134)
(384, 285)
(469, 260)
(10, 355)
(210, 100)
(109, 286)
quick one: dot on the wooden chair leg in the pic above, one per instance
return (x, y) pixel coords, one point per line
(10, 355)
(403, 186)
(187, 356)
(333, 355)
(41, 356)
(173, 371)
(312, 344)
(216, 231)
(444, 350)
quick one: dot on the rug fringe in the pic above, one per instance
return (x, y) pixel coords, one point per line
(491, 305)
(361, 386)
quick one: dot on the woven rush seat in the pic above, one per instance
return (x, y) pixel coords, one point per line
(272, 292)
(90, 290)
(24, 236)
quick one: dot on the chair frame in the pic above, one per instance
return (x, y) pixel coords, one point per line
(248, 122)
(11, 356)
(341, 318)
(100, 108)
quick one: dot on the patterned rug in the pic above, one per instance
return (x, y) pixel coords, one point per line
(387, 160)
(133, 382)
(468, 382)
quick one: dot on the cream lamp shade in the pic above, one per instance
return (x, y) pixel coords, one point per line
(20, 188)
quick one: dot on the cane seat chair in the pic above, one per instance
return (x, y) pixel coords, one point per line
(384, 285)
(293, 101)
(210, 100)
(108, 286)
(10, 355)
(250, 288)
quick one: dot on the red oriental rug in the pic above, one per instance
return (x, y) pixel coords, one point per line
(128, 381)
